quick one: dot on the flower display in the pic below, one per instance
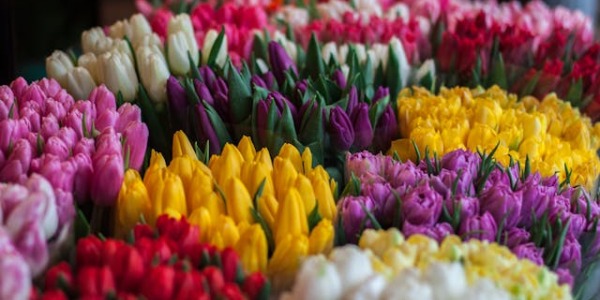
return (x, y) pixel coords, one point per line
(552, 135)
(237, 199)
(167, 263)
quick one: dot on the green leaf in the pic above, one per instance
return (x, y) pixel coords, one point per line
(158, 137)
(312, 129)
(82, 226)
(240, 96)
(314, 217)
(193, 67)
(259, 192)
(530, 86)
(315, 65)
(393, 73)
(265, 227)
(259, 48)
(371, 218)
(575, 93)
(285, 125)
(378, 109)
(218, 124)
(214, 52)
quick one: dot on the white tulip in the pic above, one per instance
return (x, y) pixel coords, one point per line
(407, 286)
(361, 53)
(151, 40)
(342, 55)
(37, 184)
(294, 16)
(181, 41)
(329, 52)
(118, 74)
(447, 279)
(398, 49)
(353, 265)
(89, 61)
(136, 28)
(333, 9)
(262, 66)
(368, 7)
(371, 288)
(95, 41)
(428, 67)
(209, 42)
(483, 288)
(123, 47)
(58, 65)
(80, 83)
(153, 71)
(317, 279)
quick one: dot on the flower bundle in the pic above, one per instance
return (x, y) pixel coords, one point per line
(29, 229)
(552, 135)
(168, 262)
(272, 211)
(538, 218)
(324, 111)
(81, 147)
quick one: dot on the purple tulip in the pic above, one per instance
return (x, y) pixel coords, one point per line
(207, 75)
(364, 162)
(269, 79)
(579, 202)
(256, 80)
(85, 146)
(381, 93)
(577, 225)
(565, 276)
(515, 236)
(480, 227)
(340, 129)
(529, 251)
(386, 130)
(463, 160)
(339, 78)
(203, 92)
(469, 206)
(177, 103)
(83, 174)
(383, 201)
(282, 102)
(15, 278)
(352, 100)
(500, 177)
(305, 110)
(56, 146)
(16, 166)
(438, 232)
(362, 126)
(106, 118)
(559, 208)
(128, 113)
(353, 214)
(301, 86)
(107, 179)
(422, 205)
(136, 140)
(103, 99)
(404, 174)
(280, 61)
(570, 257)
(262, 112)
(503, 203)
(205, 130)
(536, 199)
(444, 182)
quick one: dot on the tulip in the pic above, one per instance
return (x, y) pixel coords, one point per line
(79, 82)
(225, 232)
(128, 268)
(238, 200)
(291, 217)
(94, 41)
(340, 129)
(89, 61)
(105, 119)
(118, 73)
(348, 261)
(181, 43)
(136, 139)
(286, 259)
(481, 227)
(200, 193)
(182, 146)
(503, 203)
(136, 28)
(153, 71)
(15, 280)
(132, 203)
(206, 130)
(83, 173)
(127, 113)
(209, 41)
(103, 99)
(227, 165)
(30, 241)
(202, 218)
(252, 248)
(284, 176)
(317, 279)
(107, 179)
(58, 65)
(321, 238)
(280, 61)
(177, 103)
(107, 143)
(166, 192)
(362, 126)
(17, 163)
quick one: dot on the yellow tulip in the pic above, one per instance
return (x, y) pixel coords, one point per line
(238, 201)
(321, 238)
(227, 165)
(132, 203)
(203, 219)
(487, 111)
(428, 138)
(263, 156)
(183, 166)
(166, 194)
(224, 232)
(182, 145)
(307, 161)
(323, 193)
(252, 249)
(286, 260)
(288, 151)
(284, 176)
(200, 193)
(305, 188)
(157, 162)
(291, 217)
(246, 148)
(404, 149)
(253, 173)
(482, 137)
(267, 207)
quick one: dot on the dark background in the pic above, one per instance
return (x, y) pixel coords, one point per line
(31, 29)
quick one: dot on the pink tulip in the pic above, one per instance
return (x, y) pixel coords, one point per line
(32, 94)
(56, 109)
(103, 99)
(49, 126)
(106, 118)
(83, 174)
(59, 174)
(15, 278)
(31, 244)
(9, 132)
(127, 113)
(49, 86)
(107, 143)
(107, 179)
(64, 98)
(56, 146)
(68, 136)
(84, 146)
(11, 195)
(136, 139)
(18, 86)
(65, 208)
(87, 109)
(74, 120)
(17, 165)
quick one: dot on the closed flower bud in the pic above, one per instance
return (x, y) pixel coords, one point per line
(79, 82)
(58, 66)
(291, 217)
(340, 129)
(136, 139)
(209, 41)
(166, 193)
(94, 41)
(182, 145)
(153, 71)
(225, 232)
(132, 203)
(321, 238)
(286, 259)
(107, 179)
(181, 43)
(238, 200)
(117, 72)
(252, 248)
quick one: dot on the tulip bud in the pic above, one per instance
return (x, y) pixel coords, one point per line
(117, 72)
(284, 176)
(58, 65)
(280, 61)
(153, 71)
(181, 43)
(136, 139)
(362, 126)
(29, 240)
(225, 232)
(127, 113)
(95, 281)
(321, 238)
(252, 248)
(330, 52)
(291, 217)
(340, 129)
(182, 145)
(107, 179)
(209, 41)
(128, 268)
(79, 82)
(166, 192)
(15, 280)
(89, 61)
(238, 200)
(94, 41)
(103, 99)
(286, 259)
(132, 203)
(16, 166)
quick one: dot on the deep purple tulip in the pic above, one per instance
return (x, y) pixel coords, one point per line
(403, 174)
(177, 103)
(479, 227)
(362, 126)
(515, 236)
(386, 130)
(340, 129)
(258, 81)
(353, 214)
(207, 75)
(203, 92)
(469, 206)
(136, 140)
(463, 160)
(380, 93)
(529, 251)
(352, 100)
(444, 182)
(269, 80)
(339, 78)
(422, 205)
(205, 130)
(280, 61)
(536, 199)
(262, 113)
(438, 232)
(281, 102)
(503, 203)
(570, 257)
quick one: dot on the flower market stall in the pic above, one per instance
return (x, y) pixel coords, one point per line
(407, 149)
